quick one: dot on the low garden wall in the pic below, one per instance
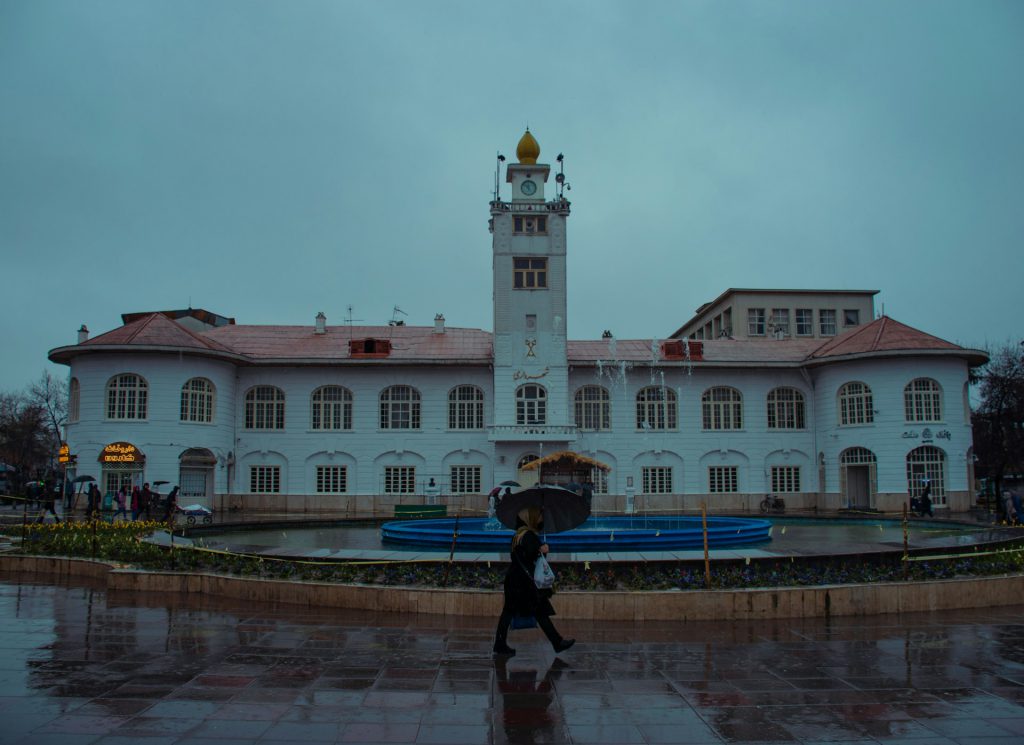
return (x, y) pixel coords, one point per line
(668, 605)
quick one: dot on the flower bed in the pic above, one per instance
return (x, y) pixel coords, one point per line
(121, 542)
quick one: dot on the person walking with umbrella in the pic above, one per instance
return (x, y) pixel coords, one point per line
(522, 596)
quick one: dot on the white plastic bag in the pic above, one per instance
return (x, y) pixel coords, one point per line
(543, 576)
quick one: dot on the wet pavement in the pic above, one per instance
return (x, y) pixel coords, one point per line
(80, 665)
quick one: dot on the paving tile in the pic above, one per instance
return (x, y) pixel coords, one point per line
(240, 672)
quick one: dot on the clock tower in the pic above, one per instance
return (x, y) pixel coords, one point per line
(532, 408)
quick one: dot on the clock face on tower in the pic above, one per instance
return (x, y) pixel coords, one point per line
(528, 188)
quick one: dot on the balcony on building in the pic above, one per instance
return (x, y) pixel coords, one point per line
(531, 433)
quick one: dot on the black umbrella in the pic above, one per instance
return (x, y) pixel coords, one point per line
(160, 483)
(562, 509)
(81, 479)
(509, 483)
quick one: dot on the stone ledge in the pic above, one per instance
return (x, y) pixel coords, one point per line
(670, 605)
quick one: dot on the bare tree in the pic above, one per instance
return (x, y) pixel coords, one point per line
(999, 420)
(24, 440)
(51, 395)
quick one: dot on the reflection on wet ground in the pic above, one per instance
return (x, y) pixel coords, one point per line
(80, 665)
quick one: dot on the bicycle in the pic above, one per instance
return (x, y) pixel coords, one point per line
(771, 503)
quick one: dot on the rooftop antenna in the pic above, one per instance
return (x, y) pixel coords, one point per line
(497, 178)
(348, 322)
(395, 321)
(560, 178)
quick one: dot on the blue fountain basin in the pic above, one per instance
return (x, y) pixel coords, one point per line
(596, 534)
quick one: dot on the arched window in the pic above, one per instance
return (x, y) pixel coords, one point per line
(927, 463)
(528, 458)
(593, 408)
(856, 405)
(197, 401)
(400, 408)
(331, 408)
(785, 409)
(74, 397)
(465, 407)
(722, 408)
(531, 405)
(922, 401)
(264, 408)
(656, 408)
(127, 396)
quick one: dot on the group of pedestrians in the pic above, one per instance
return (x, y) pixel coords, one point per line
(143, 502)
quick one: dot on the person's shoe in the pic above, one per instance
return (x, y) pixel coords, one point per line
(504, 650)
(563, 645)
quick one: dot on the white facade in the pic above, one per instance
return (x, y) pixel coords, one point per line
(445, 414)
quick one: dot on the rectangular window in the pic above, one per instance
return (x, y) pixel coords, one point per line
(599, 478)
(400, 479)
(466, 479)
(657, 480)
(827, 322)
(804, 322)
(755, 321)
(530, 225)
(265, 479)
(851, 317)
(780, 321)
(785, 478)
(530, 273)
(331, 479)
(723, 479)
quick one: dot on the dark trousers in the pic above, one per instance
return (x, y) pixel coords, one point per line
(505, 620)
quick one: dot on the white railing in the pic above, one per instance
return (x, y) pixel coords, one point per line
(560, 206)
(531, 432)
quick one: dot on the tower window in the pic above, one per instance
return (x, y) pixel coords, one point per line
(529, 225)
(530, 274)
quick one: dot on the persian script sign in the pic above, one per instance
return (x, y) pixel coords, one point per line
(64, 454)
(121, 452)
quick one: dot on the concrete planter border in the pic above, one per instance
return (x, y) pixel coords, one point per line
(670, 605)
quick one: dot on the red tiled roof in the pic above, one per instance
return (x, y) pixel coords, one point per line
(408, 343)
(157, 330)
(718, 350)
(881, 335)
(411, 344)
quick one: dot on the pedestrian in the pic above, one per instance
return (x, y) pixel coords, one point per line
(92, 503)
(49, 499)
(1009, 509)
(522, 596)
(146, 501)
(120, 498)
(136, 498)
(926, 499)
(170, 506)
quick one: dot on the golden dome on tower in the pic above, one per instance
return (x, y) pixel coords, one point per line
(528, 150)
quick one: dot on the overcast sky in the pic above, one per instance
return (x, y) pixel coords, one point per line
(268, 160)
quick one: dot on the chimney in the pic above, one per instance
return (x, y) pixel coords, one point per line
(439, 324)
(83, 334)
(321, 323)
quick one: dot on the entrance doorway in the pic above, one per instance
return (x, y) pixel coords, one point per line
(528, 477)
(857, 478)
(195, 477)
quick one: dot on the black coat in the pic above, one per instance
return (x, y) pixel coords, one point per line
(521, 595)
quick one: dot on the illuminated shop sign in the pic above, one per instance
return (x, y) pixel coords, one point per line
(64, 454)
(121, 452)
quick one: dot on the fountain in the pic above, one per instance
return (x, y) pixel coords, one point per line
(613, 534)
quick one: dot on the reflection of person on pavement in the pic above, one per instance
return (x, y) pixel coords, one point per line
(526, 702)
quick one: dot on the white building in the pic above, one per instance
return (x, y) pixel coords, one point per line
(360, 418)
